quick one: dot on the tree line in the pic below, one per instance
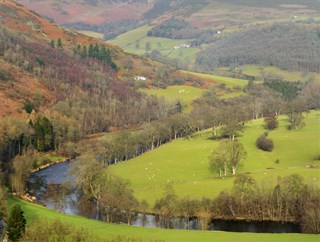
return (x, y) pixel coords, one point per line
(289, 200)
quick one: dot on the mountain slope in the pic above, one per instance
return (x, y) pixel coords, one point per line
(18, 87)
(33, 67)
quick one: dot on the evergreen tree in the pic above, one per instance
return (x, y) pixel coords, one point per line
(59, 44)
(91, 51)
(44, 136)
(178, 107)
(28, 106)
(16, 224)
(84, 53)
(52, 44)
(96, 51)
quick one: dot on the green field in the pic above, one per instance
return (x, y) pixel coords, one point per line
(185, 94)
(254, 70)
(128, 41)
(105, 230)
(184, 163)
(214, 79)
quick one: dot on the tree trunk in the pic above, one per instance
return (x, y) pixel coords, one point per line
(233, 170)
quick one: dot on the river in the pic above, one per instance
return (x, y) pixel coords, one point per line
(45, 186)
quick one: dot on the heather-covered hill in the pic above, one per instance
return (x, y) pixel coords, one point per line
(79, 84)
(109, 17)
(32, 58)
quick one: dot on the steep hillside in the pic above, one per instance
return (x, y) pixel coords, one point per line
(16, 86)
(108, 17)
(288, 46)
(40, 60)
(89, 11)
(74, 84)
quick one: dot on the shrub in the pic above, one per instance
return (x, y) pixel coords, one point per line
(28, 106)
(317, 157)
(4, 75)
(264, 143)
(271, 122)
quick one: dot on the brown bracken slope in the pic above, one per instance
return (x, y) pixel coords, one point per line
(29, 25)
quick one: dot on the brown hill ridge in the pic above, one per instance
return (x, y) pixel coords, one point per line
(90, 12)
(19, 18)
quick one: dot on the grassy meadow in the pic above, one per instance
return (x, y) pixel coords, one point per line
(214, 79)
(188, 94)
(254, 70)
(128, 41)
(184, 162)
(104, 230)
(185, 94)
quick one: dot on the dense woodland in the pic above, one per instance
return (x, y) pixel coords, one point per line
(87, 96)
(174, 29)
(288, 46)
(180, 29)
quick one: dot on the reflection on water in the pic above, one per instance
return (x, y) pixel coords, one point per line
(47, 185)
(51, 187)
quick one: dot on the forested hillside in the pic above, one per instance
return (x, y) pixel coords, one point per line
(288, 46)
(64, 84)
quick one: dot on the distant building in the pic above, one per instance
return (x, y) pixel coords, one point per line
(140, 78)
(183, 46)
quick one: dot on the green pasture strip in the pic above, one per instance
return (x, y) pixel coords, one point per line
(259, 71)
(228, 81)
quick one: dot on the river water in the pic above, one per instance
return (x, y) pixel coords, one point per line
(45, 186)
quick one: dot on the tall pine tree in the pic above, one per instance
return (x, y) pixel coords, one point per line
(16, 224)
(44, 136)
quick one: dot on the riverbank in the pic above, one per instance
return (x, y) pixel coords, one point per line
(54, 162)
(68, 205)
(105, 230)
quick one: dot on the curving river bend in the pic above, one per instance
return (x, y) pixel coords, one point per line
(43, 185)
